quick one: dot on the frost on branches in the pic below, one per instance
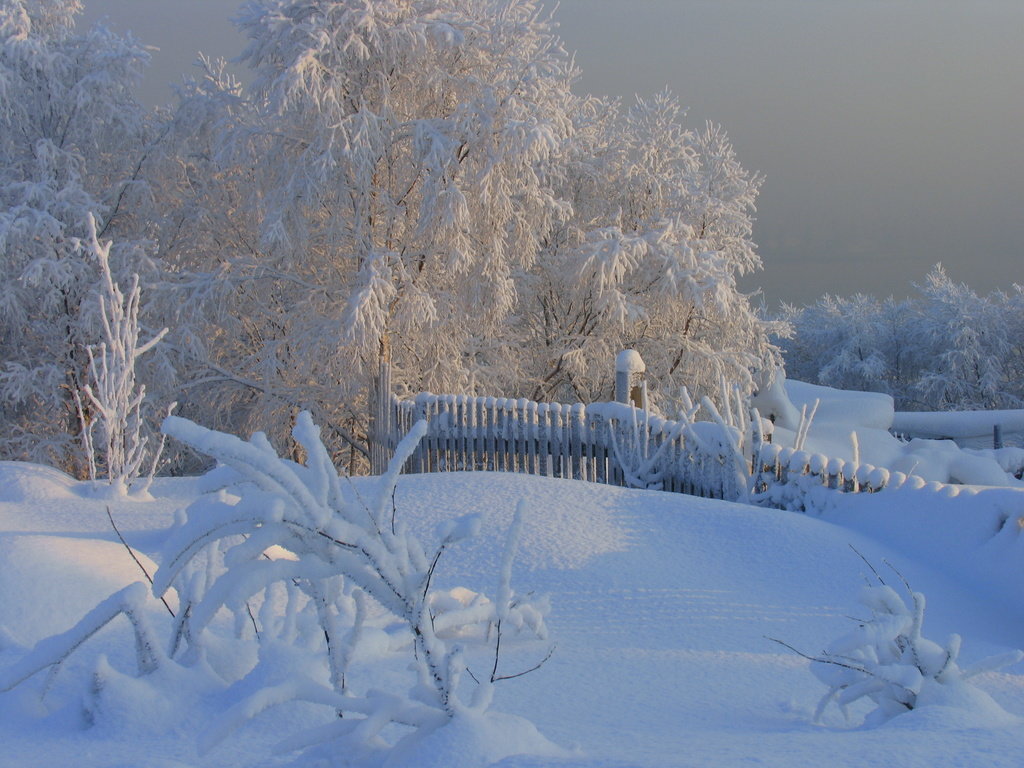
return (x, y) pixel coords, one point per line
(393, 156)
(314, 579)
(887, 661)
(70, 133)
(415, 181)
(114, 399)
(409, 181)
(659, 232)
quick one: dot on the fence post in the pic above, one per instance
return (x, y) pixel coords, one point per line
(380, 419)
(997, 436)
(629, 377)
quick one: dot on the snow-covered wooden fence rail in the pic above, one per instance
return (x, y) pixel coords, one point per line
(618, 444)
(785, 478)
(603, 442)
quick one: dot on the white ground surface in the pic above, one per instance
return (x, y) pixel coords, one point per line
(661, 605)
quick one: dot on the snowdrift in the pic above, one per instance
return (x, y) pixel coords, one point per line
(855, 426)
(661, 604)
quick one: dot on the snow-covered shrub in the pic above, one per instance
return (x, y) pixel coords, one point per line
(641, 443)
(72, 141)
(639, 446)
(887, 661)
(113, 398)
(336, 556)
(288, 582)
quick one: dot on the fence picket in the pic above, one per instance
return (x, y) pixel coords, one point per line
(531, 437)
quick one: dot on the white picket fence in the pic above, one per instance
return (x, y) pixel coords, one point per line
(614, 443)
(618, 445)
(603, 442)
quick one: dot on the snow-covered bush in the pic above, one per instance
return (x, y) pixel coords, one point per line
(303, 531)
(113, 397)
(644, 446)
(887, 661)
(287, 581)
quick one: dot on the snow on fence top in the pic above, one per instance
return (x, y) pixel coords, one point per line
(963, 426)
(603, 442)
(617, 444)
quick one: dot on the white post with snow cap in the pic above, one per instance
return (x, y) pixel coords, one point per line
(629, 377)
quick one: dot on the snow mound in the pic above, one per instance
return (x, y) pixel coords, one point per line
(854, 426)
(472, 740)
(837, 407)
(555, 506)
(20, 483)
(49, 582)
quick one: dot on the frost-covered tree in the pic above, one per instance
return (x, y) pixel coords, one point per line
(976, 354)
(660, 229)
(946, 348)
(71, 138)
(391, 159)
(854, 334)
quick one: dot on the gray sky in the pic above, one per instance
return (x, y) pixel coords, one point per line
(890, 132)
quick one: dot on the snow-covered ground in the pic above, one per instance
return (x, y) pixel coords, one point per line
(661, 605)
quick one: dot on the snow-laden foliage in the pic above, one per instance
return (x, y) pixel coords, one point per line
(384, 182)
(71, 135)
(660, 229)
(947, 348)
(114, 398)
(411, 181)
(887, 661)
(415, 181)
(302, 531)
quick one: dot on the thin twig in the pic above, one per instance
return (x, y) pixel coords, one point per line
(902, 578)
(252, 618)
(497, 650)
(430, 572)
(534, 668)
(868, 564)
(141, 566)
(819, 659)
(394, 508)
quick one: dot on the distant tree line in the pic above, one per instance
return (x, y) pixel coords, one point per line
(946, 348)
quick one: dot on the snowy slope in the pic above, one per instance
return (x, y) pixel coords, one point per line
(661, 605)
